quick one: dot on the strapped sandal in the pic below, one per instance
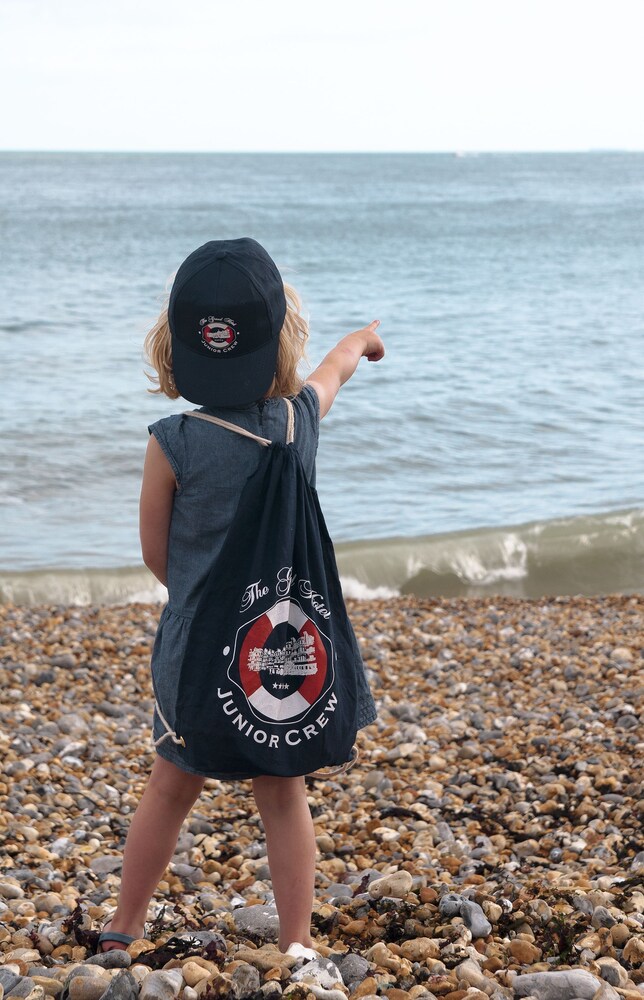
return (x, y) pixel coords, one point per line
(114, 936)
(117, 936)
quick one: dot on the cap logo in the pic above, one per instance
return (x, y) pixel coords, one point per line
(218, 334)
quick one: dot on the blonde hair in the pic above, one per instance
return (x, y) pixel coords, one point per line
(292, 350)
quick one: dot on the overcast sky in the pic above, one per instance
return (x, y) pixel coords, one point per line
(322, 74)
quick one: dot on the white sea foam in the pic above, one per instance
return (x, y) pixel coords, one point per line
(505, 560)
(514, 552)
(362, 592)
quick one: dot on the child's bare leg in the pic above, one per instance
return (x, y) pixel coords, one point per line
(151, 842)
(290, 840)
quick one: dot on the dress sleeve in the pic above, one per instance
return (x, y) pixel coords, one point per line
(168, 433)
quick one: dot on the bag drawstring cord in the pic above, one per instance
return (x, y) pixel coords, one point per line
(175, 739)
(335, 771)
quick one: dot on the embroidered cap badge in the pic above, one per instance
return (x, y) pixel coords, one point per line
(218, 334)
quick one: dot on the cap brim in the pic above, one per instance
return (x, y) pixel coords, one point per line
(223, 381)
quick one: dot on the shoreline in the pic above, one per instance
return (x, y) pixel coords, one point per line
(505, 767)
(591, 554)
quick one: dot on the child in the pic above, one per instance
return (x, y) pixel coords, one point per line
(231, 341)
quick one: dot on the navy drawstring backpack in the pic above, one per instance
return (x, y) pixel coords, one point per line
(269, 679)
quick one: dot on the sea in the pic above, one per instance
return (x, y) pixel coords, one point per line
(498, 447)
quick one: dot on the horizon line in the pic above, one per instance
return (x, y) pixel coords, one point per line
(457, 152)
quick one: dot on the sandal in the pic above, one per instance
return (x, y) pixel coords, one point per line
(125, 939)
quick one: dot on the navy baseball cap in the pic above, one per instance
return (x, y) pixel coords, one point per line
(226, 310)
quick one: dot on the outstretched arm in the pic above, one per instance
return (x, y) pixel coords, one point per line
(341, 362)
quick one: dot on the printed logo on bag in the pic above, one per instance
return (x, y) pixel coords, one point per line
(218, 333)
(283, 663)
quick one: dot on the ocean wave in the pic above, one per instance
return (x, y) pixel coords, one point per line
(585, 554)
(123, 585)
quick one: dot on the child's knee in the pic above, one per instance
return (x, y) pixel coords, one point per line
(173, 783)
(277, 792)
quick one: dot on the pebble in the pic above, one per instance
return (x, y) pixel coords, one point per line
(115, 958)
(124, 986)
(524, 952)
(383, 957)
(245, 981)
(353, 969)
(8, 980)
(420, 949)
(37, 993)
(66, 660)
(193, 973)
(634, 950)
(323, 994)
(87, 989)
(106, 865)
(50, 985)
(271, 990)
(10, 890)
(612, 971)
(500, 776)
(207, 939)
(161, 985)
(396, 885)
(265, 958)
(259, 922)
(219, 984)
(606, 992)
(453, 904)
(22, 987)
(573, 984)
(90, 973)
(321, 971)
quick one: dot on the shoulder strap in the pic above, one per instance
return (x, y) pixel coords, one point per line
(228, 426)
(290, 421)
(290, 425)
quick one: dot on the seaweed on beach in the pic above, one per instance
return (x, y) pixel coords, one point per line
(558, 937)
(400, 812)
(85, 938)
(181, 948)
(627, 887)
(362, 885)
(184, 945)
(394, 914)
(156, 925)
(326, 925)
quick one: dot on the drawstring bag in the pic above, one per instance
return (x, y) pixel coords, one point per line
(269, 679)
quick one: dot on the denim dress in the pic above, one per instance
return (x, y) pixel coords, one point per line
(211, 466)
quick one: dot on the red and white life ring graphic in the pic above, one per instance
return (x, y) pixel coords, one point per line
(252, 678)
(217, 335)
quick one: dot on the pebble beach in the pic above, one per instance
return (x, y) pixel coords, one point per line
(487, 844)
